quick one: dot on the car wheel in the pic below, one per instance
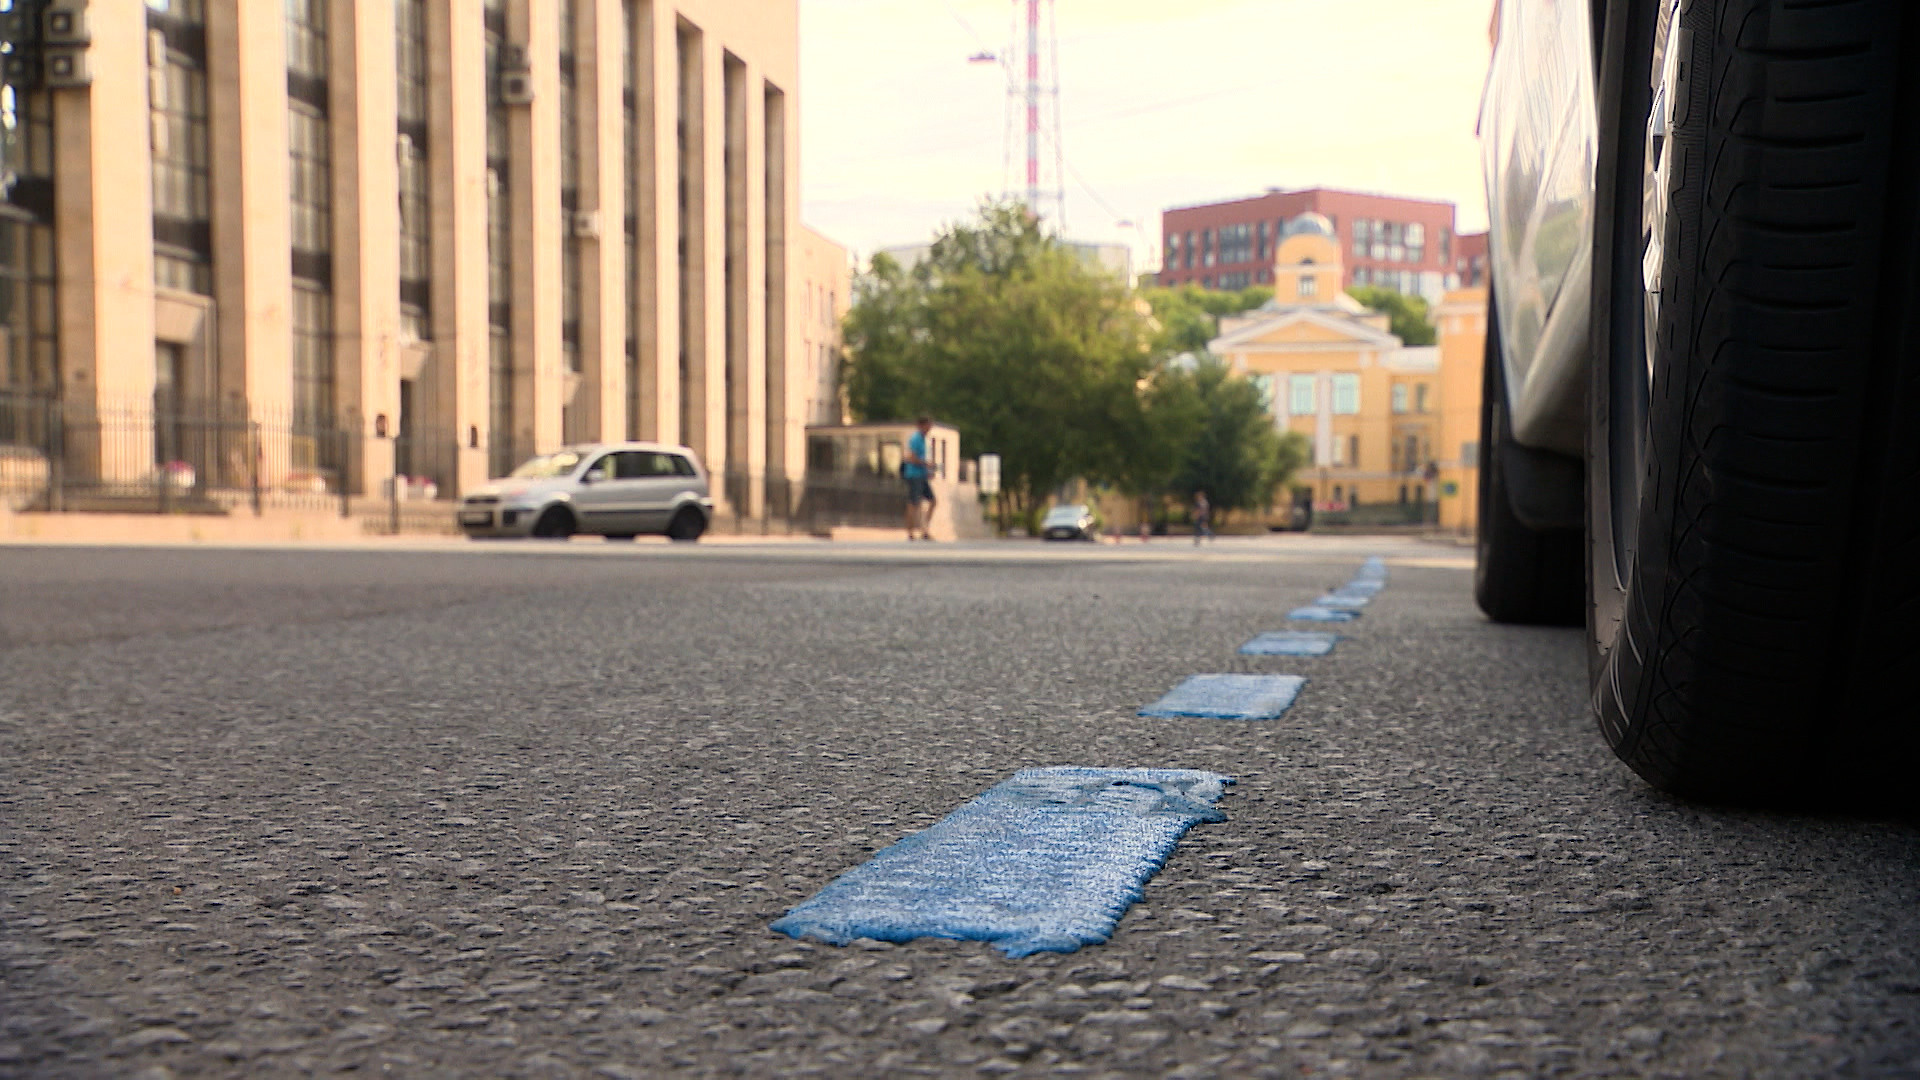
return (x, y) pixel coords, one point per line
(687, 525)
(1520, 574)
(556, 523)
(1754, 570)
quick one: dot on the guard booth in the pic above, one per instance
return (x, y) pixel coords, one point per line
(853, 478)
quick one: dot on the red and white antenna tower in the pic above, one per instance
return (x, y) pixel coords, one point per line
(1036, 99)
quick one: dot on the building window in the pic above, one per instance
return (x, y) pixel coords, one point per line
(1420, 398)
(1346, 394)
(1187, 249)
(503, 453)
(182, 235)
(1416, 242)
(1362, 236)
(572, 249)
(416, 203)
(1399, 397)
(1301, 395)
(1260, 245)
(1235, 281)
(310, 212)
(1236, 244)
(630, 234)
(312, 366)
(1309, 285)
(1353, 461)
(1263, 384)
(30, 360)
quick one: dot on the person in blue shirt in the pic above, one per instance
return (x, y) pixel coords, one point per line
(917, 470)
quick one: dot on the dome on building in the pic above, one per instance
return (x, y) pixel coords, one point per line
(1309, 224)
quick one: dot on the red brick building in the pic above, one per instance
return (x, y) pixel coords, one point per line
(1404, 244)
(1470, 259)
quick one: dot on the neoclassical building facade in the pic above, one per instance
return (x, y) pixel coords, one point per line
(450, 231)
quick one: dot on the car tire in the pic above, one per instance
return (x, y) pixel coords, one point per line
(554, 523)
(1754, 471)
(687, 525)
(1523, 575)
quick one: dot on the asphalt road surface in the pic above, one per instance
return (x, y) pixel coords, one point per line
(528, 811)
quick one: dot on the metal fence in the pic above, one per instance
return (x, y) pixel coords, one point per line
(201, 457)
(187, 457)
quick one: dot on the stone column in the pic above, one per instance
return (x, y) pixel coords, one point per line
(709, 287)
(454, 388)
(361, 78)
(784, 392)
(103, 224)
(539, 377)
(252, 232)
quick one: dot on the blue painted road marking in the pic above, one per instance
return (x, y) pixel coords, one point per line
(1045, 861)
(1318, 613)
(1290, 643)
(1360, 588)
(1375, 569)
(1229, 697)
(1343, 601)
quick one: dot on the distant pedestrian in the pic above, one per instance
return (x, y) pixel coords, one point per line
(917, 471)
(1202, 517)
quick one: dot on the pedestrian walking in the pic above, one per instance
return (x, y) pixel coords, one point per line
(1202, 517)
(917, 471)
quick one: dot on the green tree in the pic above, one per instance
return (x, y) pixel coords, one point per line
(1233, 452)
(1406, 315)
(1189, 316)
(1004, 334)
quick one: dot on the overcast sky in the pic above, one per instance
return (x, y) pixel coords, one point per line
(1164, 103)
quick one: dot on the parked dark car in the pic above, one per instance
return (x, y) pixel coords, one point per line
(1701, 423)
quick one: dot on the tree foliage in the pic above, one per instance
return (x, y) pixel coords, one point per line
(1407, 315)
(1232, 450)
(1003, 333)
(1188, 316)
(1055, 366)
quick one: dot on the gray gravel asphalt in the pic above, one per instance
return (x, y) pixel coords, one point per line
(506, 812)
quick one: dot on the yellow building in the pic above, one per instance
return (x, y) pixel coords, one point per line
(1462, 320)
(1368, 405)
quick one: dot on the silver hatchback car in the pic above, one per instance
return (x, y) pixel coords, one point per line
(615, 490)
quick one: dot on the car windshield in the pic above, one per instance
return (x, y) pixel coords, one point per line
(548, 466)
(1065, 514)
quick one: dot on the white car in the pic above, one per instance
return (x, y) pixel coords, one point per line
(1701, 429)
(615, 490)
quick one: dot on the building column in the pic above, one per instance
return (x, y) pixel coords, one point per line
(366, 235)
(103, 222)
(746, 287)
(785, 346)
(252, 239)
(600, 402)
(539, 377)
(709, 287)
(454, 387)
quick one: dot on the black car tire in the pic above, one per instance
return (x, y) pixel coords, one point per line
(687, 525)
(1520, 574)
(555, 523)
(1755, 516)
